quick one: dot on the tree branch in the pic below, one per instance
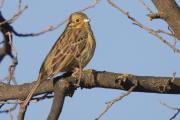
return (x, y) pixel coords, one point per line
(112, 102)
(60, 89)
(97, 79)
(6, 30)
(172, 108)
(63, 86)
(146, 28)
(170, 12)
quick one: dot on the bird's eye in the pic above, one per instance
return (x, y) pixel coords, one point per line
(77, 20)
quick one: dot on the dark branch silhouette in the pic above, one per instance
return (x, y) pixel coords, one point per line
(93, 79)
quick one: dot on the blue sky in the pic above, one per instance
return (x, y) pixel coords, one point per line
(121, 47)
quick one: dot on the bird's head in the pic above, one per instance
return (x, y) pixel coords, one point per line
(78, 20)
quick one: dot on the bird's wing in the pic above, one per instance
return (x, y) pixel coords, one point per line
(66, 49)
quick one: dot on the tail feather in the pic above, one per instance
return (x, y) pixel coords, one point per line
(28, 98)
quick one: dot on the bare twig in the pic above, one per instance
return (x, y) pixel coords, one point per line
(6, 31)
(22, 110)
(19, 4)
(15, 16)
(51, 27)
(1, 105)
(12, 66)
(10, 114)
(172, 108)
(36, 99)
(154, 16)
(10, 108)
(112, 102)
(173, 35)
(45, 96)
(164, 32)
(92, 5)
(173, 77)
(9, 102)
(146, 6)
(11, 70)
(148, 29)
(168, 106)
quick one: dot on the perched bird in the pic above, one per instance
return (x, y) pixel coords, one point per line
(73, 49)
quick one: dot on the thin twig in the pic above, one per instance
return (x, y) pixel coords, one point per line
(173, 77)
(172, 108)
(9, 109)
(10, 114)
(15, 16)
(45, 96)
(112, 102)
(148, 29)
(11, 70)
(23, 109)
(168, 106)
(173, 35)
(164, 32)
(12, 66)
(36, 99)
(19, 4)
(1, 105)
(51, 27)
(146, 6)
(10, 102)
(92, 5)
(152, 16)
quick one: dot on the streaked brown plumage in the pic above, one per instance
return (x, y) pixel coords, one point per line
(74, 47)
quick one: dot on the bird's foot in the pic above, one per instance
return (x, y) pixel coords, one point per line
(125, 76)
(77, 73)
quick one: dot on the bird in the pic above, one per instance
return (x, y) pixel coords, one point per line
(71, 52)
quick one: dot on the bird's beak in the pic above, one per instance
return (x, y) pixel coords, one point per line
(86, 20)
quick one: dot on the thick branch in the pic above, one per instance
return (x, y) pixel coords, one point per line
(59, 96)
(91, 79)
(170, 12)
(6, 30)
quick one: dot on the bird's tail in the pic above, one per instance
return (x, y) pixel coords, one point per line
(28, 98)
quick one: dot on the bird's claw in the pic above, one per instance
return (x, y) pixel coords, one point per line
(77, 74)
(125, 76)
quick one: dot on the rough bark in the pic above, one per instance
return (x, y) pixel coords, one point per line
(170, 12)
(58, 101)
(6, 31)
(98, 79)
